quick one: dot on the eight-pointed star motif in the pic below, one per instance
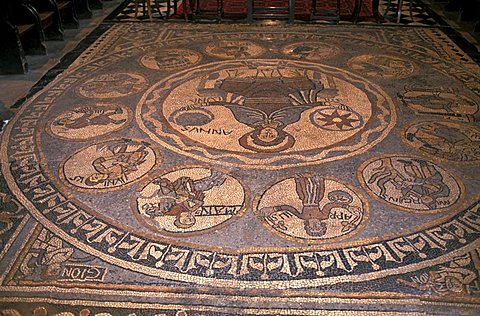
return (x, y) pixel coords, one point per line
(341, 120)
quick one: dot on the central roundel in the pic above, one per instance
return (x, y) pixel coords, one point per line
(266, 113)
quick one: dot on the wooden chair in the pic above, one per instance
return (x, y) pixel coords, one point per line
(198, 14)
(329, 15)
(257, 12)
(147, 8)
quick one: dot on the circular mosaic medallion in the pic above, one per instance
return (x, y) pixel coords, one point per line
(108, 165)
(291, 112)
(189, 200)
(90, 121)
(233, 49)
(170, 59)
(312, 51)
(112, 85)
(413, 184)
(447, 140)
(439, 100)
(382, 66)
(311, 208)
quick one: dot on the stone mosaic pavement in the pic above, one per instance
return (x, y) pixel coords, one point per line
(180, 169)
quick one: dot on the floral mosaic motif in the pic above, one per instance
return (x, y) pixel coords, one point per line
(336, 119)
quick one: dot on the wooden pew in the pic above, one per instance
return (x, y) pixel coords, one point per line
(68, 13)
(50, 19)
(23, 21)
(24, 26)
(12, 55)
(20, 33)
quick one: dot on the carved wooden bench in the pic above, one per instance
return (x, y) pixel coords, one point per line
(20, 33)
(24, 26)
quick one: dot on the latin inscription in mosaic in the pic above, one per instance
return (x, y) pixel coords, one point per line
(414, 184)
(279, 109)
(285, 110)
(110, 164)
(190, 200)
(311, 208)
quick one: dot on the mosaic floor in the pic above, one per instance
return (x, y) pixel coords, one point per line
(185, 169)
